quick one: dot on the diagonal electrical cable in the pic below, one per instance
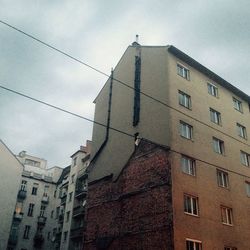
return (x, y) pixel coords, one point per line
(63, 110)
(114, 129)
(121, 82)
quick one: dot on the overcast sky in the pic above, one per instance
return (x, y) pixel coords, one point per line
(215, 33)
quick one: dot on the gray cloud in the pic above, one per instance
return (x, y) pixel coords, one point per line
(216, 33)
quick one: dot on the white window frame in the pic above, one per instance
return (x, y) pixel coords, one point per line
(186, 130)
(237, 104)
(191, 205)
(215, 116)
(197, 244)
(222, 179)
(183, 71)
(242, 131)
(188, 165)
(212, 89)
(184, 99)
(245, 158)
(226, 215)
(218, 146)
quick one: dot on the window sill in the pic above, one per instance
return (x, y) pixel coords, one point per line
(225, 188)
(226, 224)
(189, 139)
(193, 215)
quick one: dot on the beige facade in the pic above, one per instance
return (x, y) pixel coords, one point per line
(204, 120)
(10, 171)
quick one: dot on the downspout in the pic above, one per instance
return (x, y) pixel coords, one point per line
(108, 118)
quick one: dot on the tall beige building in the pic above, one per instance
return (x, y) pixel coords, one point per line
(10, 172)
(173, 100)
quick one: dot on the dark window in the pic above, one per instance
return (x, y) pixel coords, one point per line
(26, 232)
(34, 191)
(31, 209)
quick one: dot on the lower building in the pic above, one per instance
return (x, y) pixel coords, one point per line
(10, 172)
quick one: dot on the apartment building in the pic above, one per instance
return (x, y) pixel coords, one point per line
(173, 100)
(70, 209)
(32, 226)
(10, 171)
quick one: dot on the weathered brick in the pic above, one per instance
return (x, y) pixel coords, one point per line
(134, 211)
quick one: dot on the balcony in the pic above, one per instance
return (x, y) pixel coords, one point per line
(45, 199)
(22, 194)
(81, 191)
(78, 211)
(38, 240)
(18, 216)
(77, 232)
(12, 239)
(41, 220)
(63, 199)
(82, 175)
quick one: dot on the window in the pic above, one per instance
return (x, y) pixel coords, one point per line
(48, 237)
(218, 146)
(34, 190)
(212, 89)
(188, 165)
(244, 158)
(222, 178)
(184, 100)
(186, 130)
(237, 104)
(31, 209)
(55, 194)
(26, 232)
(42, 211)
(226, 215)
(65, 234)
(230, 248)
(248, 188)
(242, 132)
(215, 116)
(57, 212)
(190, 204)
(74, 161)
(73, 178)
(67, 216)
(23, 185)
(193, 244)
(183, 72)
(32, 163)
(70, 196)
(52, 214)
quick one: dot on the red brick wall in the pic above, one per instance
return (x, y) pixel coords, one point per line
(134, 211)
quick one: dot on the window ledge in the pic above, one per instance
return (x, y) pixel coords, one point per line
(194, 215)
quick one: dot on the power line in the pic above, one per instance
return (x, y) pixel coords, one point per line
(63, 110)
(114, 129)
(119, 81)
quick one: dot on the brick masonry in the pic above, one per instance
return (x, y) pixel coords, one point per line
(135, 210)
